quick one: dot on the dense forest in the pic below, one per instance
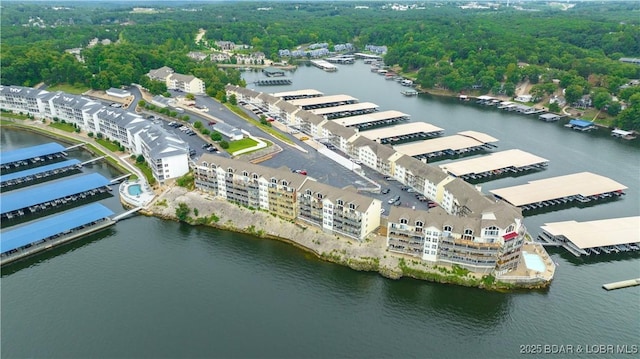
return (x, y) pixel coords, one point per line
(485, 50)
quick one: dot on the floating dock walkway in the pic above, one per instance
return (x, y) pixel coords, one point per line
(495, 164)
(463, 143)
(580, 187)
(622, 284)
(406, 132)
(594, 237)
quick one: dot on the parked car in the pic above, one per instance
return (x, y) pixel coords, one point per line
(381, 210)
(302, 172)
(211, 123)
(397, 203)
(304, 138)
(388, 178)
(385, 191)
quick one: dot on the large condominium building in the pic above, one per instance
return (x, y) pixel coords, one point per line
(166, 154)
(288, 195)
(468, 229)
(174, 81)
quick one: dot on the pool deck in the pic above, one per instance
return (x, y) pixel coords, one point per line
(522, 274)
(141, 200)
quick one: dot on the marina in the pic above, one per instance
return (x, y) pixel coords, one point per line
(298, 94)
(323, 101)
(342, 59)
(406, 132)
(324, 65)
(354, 109)
(603, 236)
(583, 187)
(38, 174)
(463, 143)
(495, 164)
(373, 120)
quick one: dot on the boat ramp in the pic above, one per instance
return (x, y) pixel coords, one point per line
(298, 94)
(406, 132)
(463, 143)
(373, 120)
(604, 236)
(324, 65)
(312, 103)
(583, 187)
(495, 164)
(354, 109)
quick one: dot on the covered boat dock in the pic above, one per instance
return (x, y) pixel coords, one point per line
(52, 194)
(549, 117)
(355, 109)
(17, 160)
(324, 65)
(580, 187)
(402, 133)
(323, 101)
(36, 174)
(35, 236)
(594, 237)
(463, 143)
(297, 94)
(580, 125)
(495, 164)
(273, 82)
(373, 120)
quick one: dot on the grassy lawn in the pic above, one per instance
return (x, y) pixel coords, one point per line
(76, 90)
(147, 173)
(63, 126)
(16, 116)
(238, 111)
(108, 144)
(241, 144)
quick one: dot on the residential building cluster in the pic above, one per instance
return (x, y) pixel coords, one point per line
(180, 82)
(316, 50)
(166, 154)
(376, 49)
(289, 195)
(468, 229)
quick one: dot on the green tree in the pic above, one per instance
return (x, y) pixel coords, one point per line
(139, 159)
(182, 212)
(224, 144)
(216, 136)
(197, 124)
(233, 100)
(554, 107)
(573, 93)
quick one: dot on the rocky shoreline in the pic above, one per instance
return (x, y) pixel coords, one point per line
(368, 255)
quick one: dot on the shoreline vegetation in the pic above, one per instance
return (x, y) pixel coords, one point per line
(369, 255)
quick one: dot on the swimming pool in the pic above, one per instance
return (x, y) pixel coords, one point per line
(533, 262)
(134, 189)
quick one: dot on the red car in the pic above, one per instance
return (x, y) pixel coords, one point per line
(302, 172)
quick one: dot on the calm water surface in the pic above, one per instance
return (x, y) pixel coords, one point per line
(151, 288)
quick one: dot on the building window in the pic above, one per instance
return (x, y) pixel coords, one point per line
(230, 170)
(340, 202)
(245, 173)
(403, 221)
(447, 229)
(492, 231)
(419, 224)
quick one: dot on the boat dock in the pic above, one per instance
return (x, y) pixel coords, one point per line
(354, 109)
(38, 174)
(622, 284)
(580, 187)
(406, 132)
(373, 120)
(28, 157)
(580, 125)
(594, 237)
(507, 105)
(24, 240)
(312, 103)
(549, 117)
(495, 164)
(324, 65)
(625, 135)
(298, 94)
(409, 93)
(273, 82)
(463, 143)
(342, 59)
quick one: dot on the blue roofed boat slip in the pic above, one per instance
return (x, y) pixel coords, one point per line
(28, 153)
(31, 174)
(50, 226)
(38, 195)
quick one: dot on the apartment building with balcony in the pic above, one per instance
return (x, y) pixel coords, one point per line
(250, 185)
(185, 83)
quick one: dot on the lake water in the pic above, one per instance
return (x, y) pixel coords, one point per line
(150, 288)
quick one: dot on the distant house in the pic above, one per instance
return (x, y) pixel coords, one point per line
(524, 98)
(226, 45)
(160, 74)
(630, 60)
(196, 55)
(185, 83)
(219, 57)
